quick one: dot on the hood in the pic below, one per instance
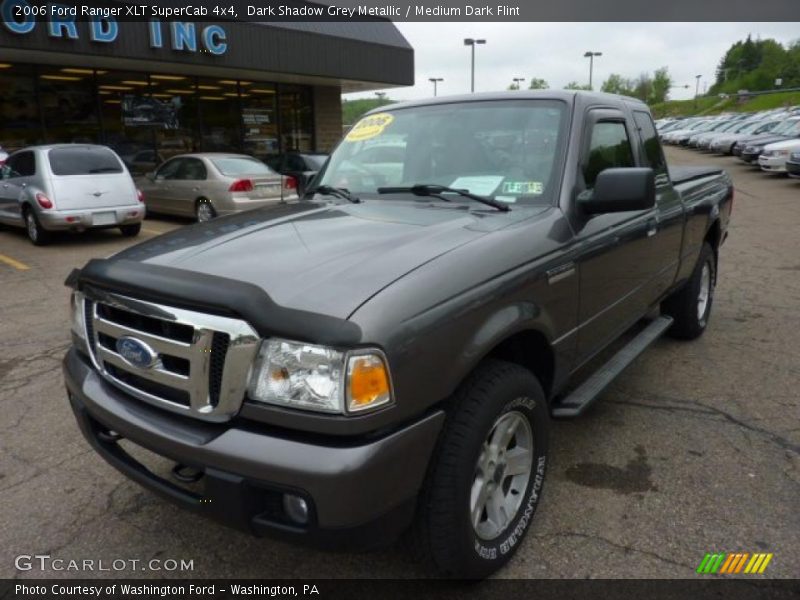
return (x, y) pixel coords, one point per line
(324, 258)
(761, 139)
(790, 144)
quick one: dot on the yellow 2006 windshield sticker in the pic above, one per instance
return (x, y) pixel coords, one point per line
(369, 127)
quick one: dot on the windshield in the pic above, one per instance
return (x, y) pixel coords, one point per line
(233, 166)
(506, 150)
(787, 127)
(83, 160)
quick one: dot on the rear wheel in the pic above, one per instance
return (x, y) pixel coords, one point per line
(204, 211)
(486, 477)
(131, 230)
(37, 234)
(690, 306)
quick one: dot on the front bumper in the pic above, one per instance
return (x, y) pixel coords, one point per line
(81, 219)
(773, 164)
(360, 493)
(749, 157)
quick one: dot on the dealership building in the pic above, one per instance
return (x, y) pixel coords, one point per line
(163, 88)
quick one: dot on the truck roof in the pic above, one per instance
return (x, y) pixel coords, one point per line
(569, 96)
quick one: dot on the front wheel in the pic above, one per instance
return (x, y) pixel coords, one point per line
(486, 479)
(690, 306)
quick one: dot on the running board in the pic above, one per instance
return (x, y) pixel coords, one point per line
(586, 393)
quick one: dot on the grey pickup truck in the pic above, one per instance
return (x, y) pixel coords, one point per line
(386, 353)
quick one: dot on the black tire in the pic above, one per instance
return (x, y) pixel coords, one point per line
(131, 230)
(684, 304)
(37, 234)
(204, 204)
(444, 534)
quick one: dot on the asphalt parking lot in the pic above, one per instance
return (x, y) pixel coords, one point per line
(696, 448)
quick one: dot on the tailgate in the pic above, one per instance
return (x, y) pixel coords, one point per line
(73, 192)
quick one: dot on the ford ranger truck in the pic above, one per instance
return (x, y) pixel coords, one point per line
(386, 352)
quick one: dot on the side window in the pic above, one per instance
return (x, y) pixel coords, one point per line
(609, 148)
(652, 147)
(192, 169)
(169, 170)
(295, 162)
(22, 164)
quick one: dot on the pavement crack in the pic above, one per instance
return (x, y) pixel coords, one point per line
(710, 411)
(623, 547)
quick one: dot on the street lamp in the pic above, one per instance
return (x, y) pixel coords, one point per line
(471, 42)
(517, 81)
(434, 81)
(590, 55)
(696, 89)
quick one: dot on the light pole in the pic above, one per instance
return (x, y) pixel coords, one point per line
(434, 81)
(471, 42)
(696, 89)
(590, 55)
(518, 80)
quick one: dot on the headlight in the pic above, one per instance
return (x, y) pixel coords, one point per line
(76, 306)
(311, 377)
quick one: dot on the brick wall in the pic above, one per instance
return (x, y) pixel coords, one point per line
(327, 117)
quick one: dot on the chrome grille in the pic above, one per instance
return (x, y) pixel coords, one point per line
(202, 363)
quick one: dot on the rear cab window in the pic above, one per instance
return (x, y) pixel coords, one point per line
(653, 154)
(83, 160)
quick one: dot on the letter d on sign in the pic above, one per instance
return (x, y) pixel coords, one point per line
(104, 29)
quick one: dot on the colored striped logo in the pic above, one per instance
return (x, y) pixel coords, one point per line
(727, 563)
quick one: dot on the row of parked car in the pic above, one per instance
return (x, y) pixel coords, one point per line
(767, 139)
(84, 186)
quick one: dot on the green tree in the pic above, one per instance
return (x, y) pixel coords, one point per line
(574, 85)
(755, 65)
(662, 82)
(538, 84)
(617, 84)
(353, 109)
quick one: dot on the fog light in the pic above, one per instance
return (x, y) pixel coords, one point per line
(295, 508)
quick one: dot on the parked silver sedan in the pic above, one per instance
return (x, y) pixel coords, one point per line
(68, 187)
(206, 185)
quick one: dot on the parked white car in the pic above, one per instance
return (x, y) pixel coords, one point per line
(68, 187)
(774, 156)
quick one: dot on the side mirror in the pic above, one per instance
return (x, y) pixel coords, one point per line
(620, 190)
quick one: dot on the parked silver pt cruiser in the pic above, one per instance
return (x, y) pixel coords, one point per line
(68, 187)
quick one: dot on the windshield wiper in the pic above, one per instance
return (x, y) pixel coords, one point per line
(329, 190)
(430, 189)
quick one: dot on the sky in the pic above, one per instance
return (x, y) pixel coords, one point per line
(554, 52)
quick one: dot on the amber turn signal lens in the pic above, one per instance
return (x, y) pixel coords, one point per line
(367, 382)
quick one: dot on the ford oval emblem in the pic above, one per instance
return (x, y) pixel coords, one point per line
(136, 353)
